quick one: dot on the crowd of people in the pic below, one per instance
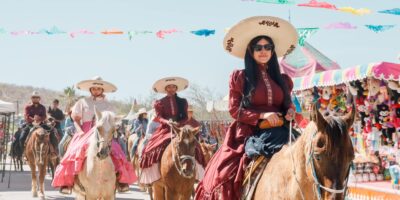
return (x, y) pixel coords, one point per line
(259, 103)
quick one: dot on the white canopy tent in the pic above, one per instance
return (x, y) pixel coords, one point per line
(221, 105)
(7, 107)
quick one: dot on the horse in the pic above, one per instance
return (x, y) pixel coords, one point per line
(97, 179)
(134, 159)
(17, 152)
(177, 166)
(208, 151)
(37, 153)
(316, 166)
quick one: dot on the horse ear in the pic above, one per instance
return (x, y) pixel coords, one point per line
(195, 131)
(318, 118)
(97, 113)
(349, 117)
(175, 129)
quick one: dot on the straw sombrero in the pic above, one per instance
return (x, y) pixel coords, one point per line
(190, 108)
(281, 31)
(181, 83)
(96, 81)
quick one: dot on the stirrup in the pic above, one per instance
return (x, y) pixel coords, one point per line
(123, 187)
(66, 190)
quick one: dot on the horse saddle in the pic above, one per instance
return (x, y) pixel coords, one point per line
(252, 175)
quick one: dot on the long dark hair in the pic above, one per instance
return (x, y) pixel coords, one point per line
(141, 118)
(250, 71)
(181, 103)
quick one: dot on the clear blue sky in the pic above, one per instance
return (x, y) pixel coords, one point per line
(58, 61)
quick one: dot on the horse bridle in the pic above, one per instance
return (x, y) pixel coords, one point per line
(181, 158)
(39, 152)
(102, 141)
(317, 184)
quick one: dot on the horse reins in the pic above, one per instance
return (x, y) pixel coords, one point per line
(317, 184)
(310, 161)
(102, 141)
(181, 159)
(40, 151)
(292, 158)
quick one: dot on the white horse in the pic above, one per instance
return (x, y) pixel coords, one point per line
(97, 180)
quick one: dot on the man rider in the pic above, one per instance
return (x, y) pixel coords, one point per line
(35, 113)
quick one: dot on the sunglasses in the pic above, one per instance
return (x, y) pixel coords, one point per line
(267, 47)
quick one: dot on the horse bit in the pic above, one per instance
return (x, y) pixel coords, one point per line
(102, 141)
(317, 184)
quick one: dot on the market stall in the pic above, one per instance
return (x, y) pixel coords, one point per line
(374, 89)
(7, 112)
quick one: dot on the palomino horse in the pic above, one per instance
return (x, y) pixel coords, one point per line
(37, 154)
(178, 166)
(97, 179)
(134, 159)
(316, 166)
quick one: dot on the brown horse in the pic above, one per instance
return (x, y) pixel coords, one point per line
(316, 166)
(208, 151)
(37, 154)
(178, 166)
(97, 178)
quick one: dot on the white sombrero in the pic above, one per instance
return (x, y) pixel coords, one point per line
(281, 31)
(141, 111)
(96, 81)
(35, 94)
(181, 83)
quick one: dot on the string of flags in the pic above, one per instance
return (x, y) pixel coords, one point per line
(304, 33)
(330, 6)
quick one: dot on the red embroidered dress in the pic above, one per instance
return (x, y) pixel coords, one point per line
(166, 108)
(224, 174)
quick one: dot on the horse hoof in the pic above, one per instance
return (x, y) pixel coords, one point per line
(34, 194)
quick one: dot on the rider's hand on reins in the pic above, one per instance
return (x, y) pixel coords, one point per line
(172, 123)
(272, 117)
(290, 114)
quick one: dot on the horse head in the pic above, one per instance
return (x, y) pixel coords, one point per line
(208, 150)
(103, 134)
(184, 145)
(41, 141)
(330, 153)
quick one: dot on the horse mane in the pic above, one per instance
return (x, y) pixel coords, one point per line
(336, 131)
(106, 119)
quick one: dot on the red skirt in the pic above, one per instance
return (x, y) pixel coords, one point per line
(224, 174)
(154, 149)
